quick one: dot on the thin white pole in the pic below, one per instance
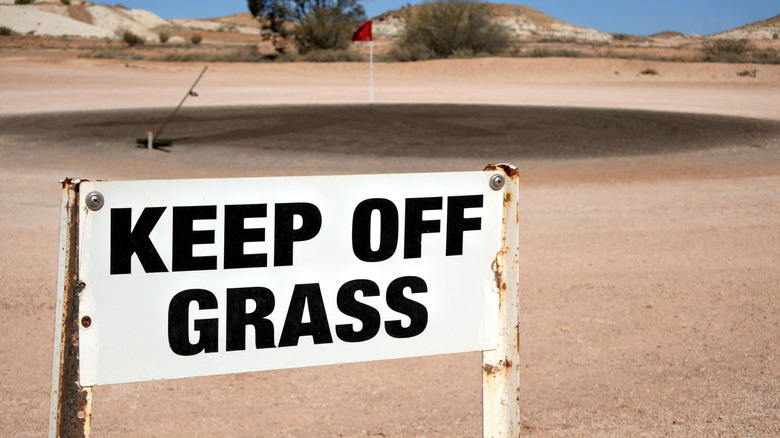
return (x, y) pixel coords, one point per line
(371, 70)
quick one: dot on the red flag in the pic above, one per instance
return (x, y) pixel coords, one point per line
(363, 33)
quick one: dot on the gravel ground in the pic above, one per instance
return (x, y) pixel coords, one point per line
(649, 241)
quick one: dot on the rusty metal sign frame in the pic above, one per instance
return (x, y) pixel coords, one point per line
(71, 403)
(501, 367)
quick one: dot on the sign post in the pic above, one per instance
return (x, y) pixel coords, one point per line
(501, 366)
(187, 278)
(71, 403)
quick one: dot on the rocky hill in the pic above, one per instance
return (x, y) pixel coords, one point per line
(762, 30)
(523, 23)
(88, 20)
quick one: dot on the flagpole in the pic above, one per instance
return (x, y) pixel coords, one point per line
(371, 71)
(364, 33)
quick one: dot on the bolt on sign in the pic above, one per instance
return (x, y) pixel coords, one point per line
(186, 278)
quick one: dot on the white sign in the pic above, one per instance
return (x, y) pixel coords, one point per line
(199, 277)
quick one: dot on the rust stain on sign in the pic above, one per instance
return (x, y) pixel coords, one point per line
(498, 274)
(510, 170)
(502, 365)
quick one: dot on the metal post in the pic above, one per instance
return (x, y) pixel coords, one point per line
(150, 140)
(371, 71)
(501, 367)
(190, 92)
(71, 404)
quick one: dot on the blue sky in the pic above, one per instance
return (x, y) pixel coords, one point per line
(638, 17)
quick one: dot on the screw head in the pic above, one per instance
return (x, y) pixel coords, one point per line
(497, 182)
(94, 201)
(86, 321)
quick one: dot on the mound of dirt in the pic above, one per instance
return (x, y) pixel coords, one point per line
(522, 22)
(667, 34)
(241, 19)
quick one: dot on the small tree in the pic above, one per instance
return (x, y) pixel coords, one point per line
(196, 39)
(132, 39)
(164, 37)
(326, 28)
(272, 11)
(446, 28)
(314, 24)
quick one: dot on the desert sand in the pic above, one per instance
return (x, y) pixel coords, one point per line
(650, 234)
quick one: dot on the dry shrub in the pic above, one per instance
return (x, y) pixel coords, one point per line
(112, 54)
(727, 50)
(132, 39)
(545, 52)
(333, 55)
(325, 29)
(443, 28)
(738, 51)
(247, 53)
(411, 52)
(766, 56)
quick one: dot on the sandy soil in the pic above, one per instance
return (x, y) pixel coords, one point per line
(649, 242)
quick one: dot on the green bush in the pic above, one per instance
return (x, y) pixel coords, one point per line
(164, 37)
(196, 39)
(22, 2)
(447, 27)
(132, 39)
(5, 31)
(65, 2)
